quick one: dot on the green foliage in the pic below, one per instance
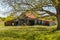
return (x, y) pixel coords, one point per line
(53, 18)
(10, 17)
(2, 19)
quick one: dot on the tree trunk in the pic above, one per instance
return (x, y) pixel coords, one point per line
(58, 19)
(58, 16)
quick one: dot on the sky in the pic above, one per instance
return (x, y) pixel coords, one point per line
(5, 9)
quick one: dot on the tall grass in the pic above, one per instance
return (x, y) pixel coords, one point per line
(29, 33)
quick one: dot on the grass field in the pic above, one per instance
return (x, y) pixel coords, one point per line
(36, 32)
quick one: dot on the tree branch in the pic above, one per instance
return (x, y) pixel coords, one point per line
(52, 14)
(37, 7)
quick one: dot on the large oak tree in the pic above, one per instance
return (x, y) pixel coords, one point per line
(34, 5)
(57, 6)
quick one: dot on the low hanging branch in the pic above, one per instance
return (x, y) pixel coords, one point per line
(52, 14)
(41, 5)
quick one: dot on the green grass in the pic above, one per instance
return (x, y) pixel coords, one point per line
(1, 24)
(29, 33)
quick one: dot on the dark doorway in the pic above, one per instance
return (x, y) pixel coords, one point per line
(16, 23)
(31, 22)
(8, 23)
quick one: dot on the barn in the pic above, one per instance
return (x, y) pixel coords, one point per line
(28, 18)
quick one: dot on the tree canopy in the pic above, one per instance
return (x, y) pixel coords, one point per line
(24, 5)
